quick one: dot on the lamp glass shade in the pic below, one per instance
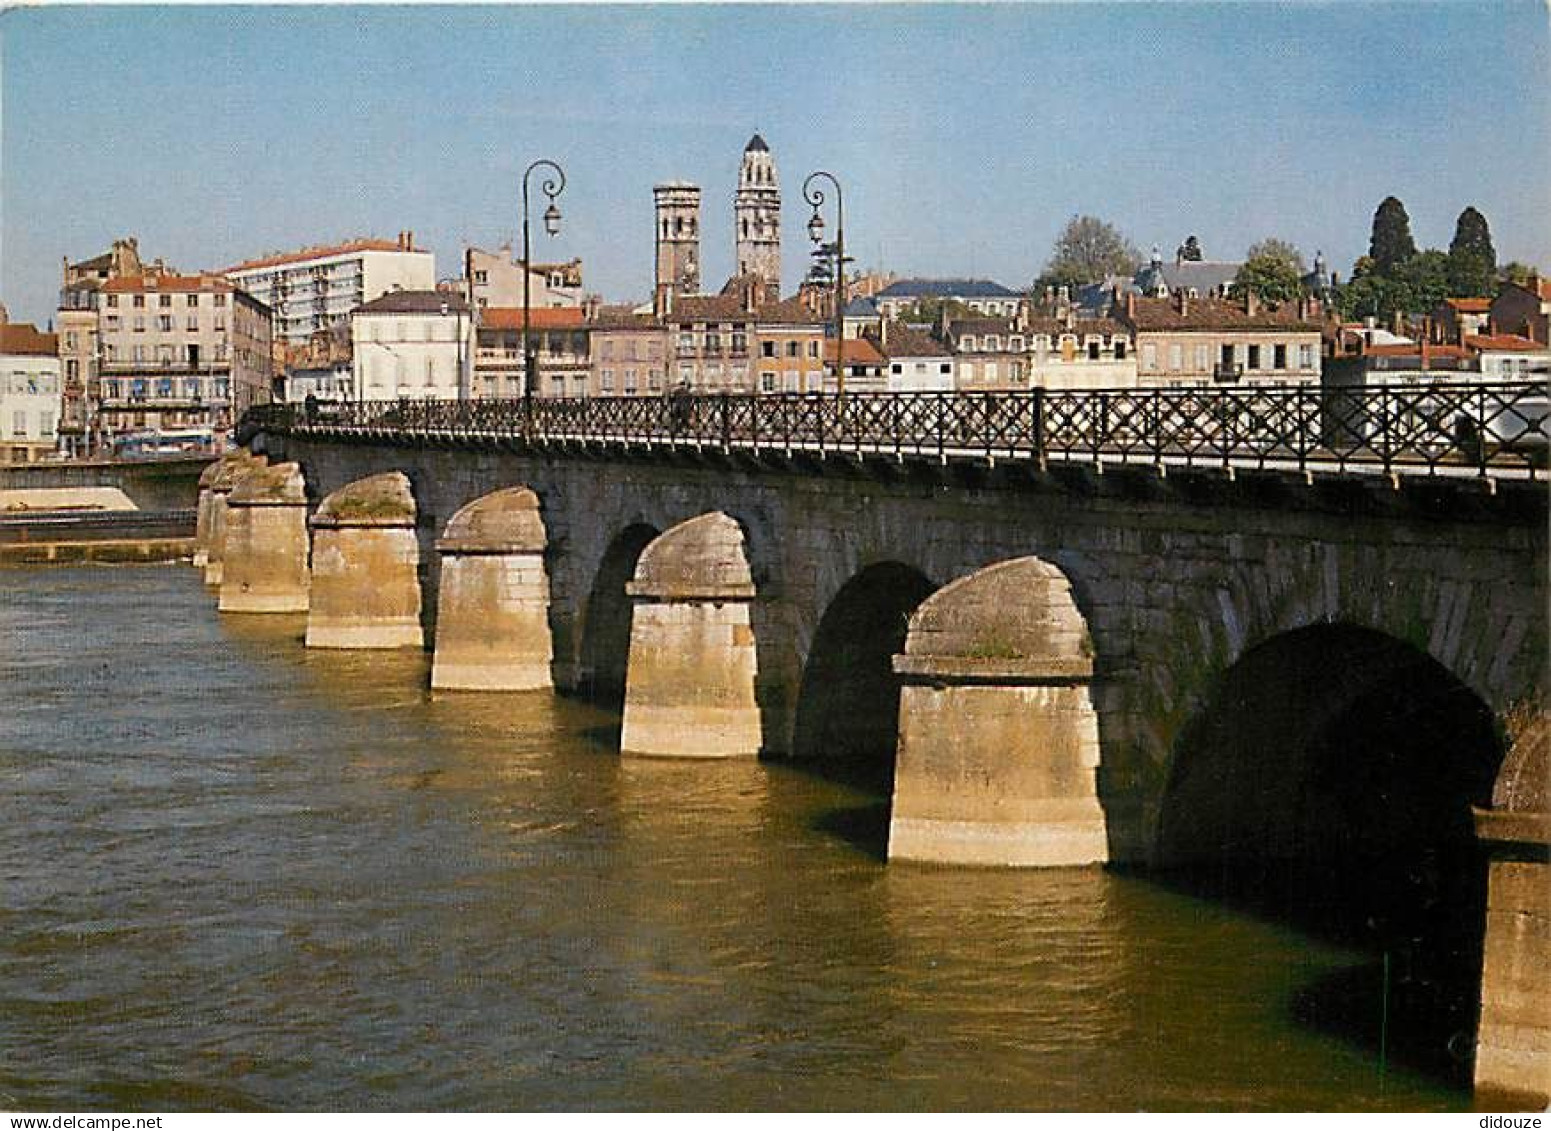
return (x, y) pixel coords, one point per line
(816, 227)
(552, 220)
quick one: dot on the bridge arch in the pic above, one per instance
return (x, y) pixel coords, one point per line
(690, 684)
(846, 719)
(998, 736)
(1329, 780)
(605, 616)
(492, 623)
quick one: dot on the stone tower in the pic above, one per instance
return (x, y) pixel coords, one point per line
(678, 237)
(757, 216)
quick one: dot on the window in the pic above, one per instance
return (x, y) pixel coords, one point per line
(139, 323)
(967, 343)
(1305, 357)
(220, 321)
(164, 388)
(46, 423)
(191, 300)
(113, 300)
(193, 322)
(165, 300)
(990, 373)
(630, 385)
(791, 349)
(606, 350)
(1093, 350)
(1254, 357)
(1176, 357)
(767, 349)
(993, 341)
(18, 423)
(70, 340)
(1015, 343)
(945, 368)
(220, 300)
(139, 353)
(1150, 358)
(813, 349)
(767, 382)
(896, 368)
(112, 321)
(1279, 356)
(1120, 349)
(71, 369)
(139, 300)
(481, 277)
(164, 323)
(654, 380)
(686, 342)
(713, 342)
(1203, 359)
(740, 342)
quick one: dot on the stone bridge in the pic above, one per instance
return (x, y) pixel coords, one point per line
(1277, 681)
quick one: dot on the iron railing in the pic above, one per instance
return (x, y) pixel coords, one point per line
(1498, 429)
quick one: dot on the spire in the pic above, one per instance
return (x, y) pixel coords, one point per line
(756, 145)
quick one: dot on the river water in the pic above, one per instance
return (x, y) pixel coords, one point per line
(242, 875)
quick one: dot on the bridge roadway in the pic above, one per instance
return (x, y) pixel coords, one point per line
(1229, 672)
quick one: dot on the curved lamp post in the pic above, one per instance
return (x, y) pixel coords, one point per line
(552, 186)
(814, 195)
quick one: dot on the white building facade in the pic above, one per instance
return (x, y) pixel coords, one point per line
(316, 288)
(31, 394)
(413, 344)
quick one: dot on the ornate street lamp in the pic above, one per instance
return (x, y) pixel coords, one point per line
(553, 187)
(814, 195)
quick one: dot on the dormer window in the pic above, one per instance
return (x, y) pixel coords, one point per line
(1015, 343)
(993, 341)
(967, 343)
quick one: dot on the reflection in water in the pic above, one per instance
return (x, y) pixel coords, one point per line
(245, 875)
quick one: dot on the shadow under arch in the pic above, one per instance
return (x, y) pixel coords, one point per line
(847, 719)
(1328, 784)
(605, 652)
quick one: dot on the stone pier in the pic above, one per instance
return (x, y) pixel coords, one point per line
(265, 543)
(1513, 1047)
(689, 685)
(492, 619)
(998, 737)
(365, 567)
(228, 473)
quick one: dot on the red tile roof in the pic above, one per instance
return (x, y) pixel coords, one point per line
(858, 351)
(1215, 314)
(1470, 305)
(152, 284)
(25, 338)
(306, 253)
(544, 318)
(1505, 343)
(1414, 349)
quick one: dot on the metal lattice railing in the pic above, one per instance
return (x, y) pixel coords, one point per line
(1498, 429)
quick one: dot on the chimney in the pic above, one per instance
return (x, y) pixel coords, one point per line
(1427, 353)
(1371, 323)
(1397, 324)
(883, 335)
(1251, 302)
(1131, 304)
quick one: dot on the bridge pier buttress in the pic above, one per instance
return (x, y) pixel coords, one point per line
(229, 472)
(689, 683)
(1513, 1044)
(492, 620)
(202, 511)
(265, 551)
(998, 738)
(365, 563)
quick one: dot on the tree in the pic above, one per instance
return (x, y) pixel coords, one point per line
(1426, 276)
(1189, 251)
(929, 309)
(1280, 250)
(1272, 276)
(1516, 272)
(1391, 243)
(1086, 251)
(1472, 258)
(1373, 296)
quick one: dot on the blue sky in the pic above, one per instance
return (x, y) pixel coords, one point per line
(965, 135)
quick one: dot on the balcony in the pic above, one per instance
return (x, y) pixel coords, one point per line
(1225, 373)
(155, 369)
